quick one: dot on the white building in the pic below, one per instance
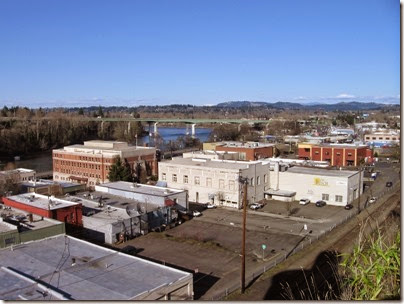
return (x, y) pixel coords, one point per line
(216, 181)
(17, 175)
(335, 187)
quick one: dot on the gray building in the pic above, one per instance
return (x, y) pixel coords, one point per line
(66, 268)
(111, 218)
(160, 196)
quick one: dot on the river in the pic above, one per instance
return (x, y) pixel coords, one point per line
(43, 161)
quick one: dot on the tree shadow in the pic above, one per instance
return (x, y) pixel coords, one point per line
(321, 282)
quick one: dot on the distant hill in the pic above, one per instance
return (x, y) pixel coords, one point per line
(341, 106)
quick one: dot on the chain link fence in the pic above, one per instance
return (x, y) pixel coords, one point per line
(250, 277)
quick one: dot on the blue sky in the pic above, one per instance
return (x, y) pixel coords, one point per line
(82, 53)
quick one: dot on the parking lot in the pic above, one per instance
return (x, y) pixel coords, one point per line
(210, 245)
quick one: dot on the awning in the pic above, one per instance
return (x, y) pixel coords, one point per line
(83, 179)
(285, 193)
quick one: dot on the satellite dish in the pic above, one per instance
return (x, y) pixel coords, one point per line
(132, 212)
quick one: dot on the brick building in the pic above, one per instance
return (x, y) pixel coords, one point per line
(247, 150)
(50, 207)
(340, 155)
(90, 163)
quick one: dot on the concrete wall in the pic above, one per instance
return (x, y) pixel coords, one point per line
(313, 186)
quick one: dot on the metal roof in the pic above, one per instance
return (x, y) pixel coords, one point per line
(140, 188)
(324, 172)
(44, 270)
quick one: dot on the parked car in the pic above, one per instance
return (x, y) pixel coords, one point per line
(321, 203)
(196, 213)
(348, 207)
(372, 200)
(210, 206)
(255, 206)
(389, 184)
(304, 201)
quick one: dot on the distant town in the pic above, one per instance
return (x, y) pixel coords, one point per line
(181, 202)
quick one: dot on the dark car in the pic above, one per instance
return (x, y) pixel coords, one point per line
(320, 203)
(348, 207)
(389, 184)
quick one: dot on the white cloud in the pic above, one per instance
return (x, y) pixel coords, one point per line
(344, 95)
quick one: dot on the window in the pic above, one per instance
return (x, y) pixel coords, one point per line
(338, 153)
(185, 179)
(221, 183)
(197, 180)
(208, 182)
(252, 181)
(325, 197)
(387, 138)
(349, 154)
(338, 198)
(327, 153)
(316, 152)
(265, 178)
(163, 177)
(373, 137)
(258, 180)
(242, 155)
(380, 137)
(231, 185)
(174, 178)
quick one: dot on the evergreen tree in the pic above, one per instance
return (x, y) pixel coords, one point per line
(120, 171)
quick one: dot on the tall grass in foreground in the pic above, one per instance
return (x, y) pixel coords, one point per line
(372, 271)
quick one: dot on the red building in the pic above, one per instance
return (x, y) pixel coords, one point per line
(50, 207)
(248, 150)
(337, 154)
(90, 163)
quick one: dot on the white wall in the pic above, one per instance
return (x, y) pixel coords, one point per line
(313, 186)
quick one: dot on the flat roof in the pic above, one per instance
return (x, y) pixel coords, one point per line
(14, 215)
(114, 206)
(98, 273)
(141, 188)
(319, 171)
(247, 144)
(206, 163)
(7, 227)
(41, 201)
(42, 183)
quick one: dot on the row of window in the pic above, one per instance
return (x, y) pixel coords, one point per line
(69, 180)
(326, 197)
(328, 153)
(68, 171)
(208, 181)
(381, 138)
(78, 164)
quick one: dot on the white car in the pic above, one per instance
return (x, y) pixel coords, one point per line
(304, 201)
(210, 206)
(196, 213)
(255, 206)
(372, 200)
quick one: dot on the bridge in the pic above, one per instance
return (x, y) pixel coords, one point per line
(150, 121)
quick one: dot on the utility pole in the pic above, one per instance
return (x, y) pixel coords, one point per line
(244, 181)
(360, 188)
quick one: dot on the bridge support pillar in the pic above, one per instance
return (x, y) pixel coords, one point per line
(193, 130)
(128, 127)
(239, 128)
(102, 126)
(155, 128)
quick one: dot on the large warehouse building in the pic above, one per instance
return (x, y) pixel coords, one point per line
(335, 187)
